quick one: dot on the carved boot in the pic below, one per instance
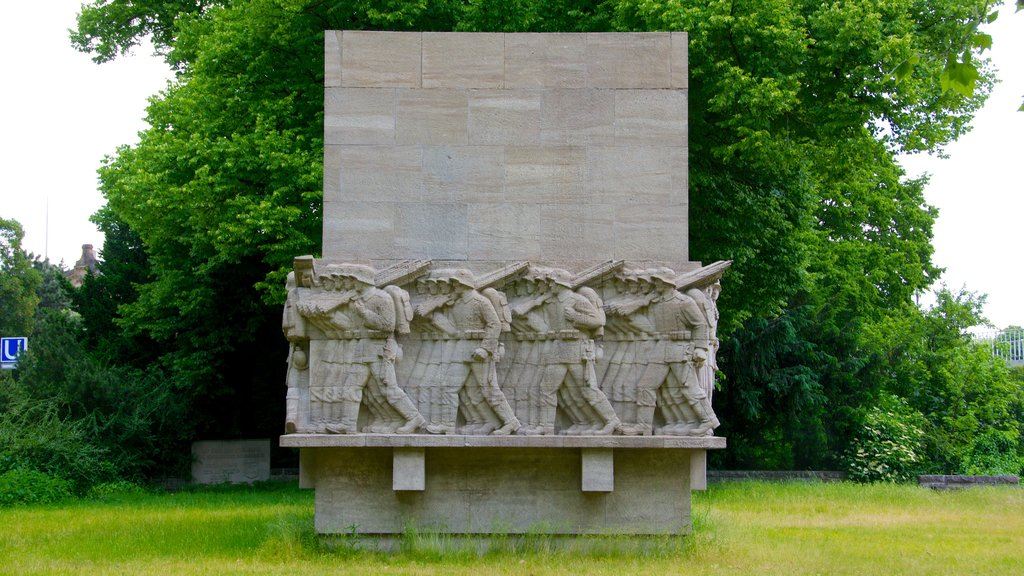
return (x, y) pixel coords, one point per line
(644, 422)
(510, 424)
(344, 416)
(708, 421)
(611, 420)
(413, 419)
(291, 411)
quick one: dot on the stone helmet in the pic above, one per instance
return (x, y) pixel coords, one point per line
(462, 276)
(560, 277)
(666, 275)
(360, 273)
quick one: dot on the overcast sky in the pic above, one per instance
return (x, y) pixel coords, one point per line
(61, 114)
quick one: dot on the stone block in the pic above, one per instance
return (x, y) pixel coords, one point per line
(698, 470)
(578, 232)
(637, 229)
(380, 59)
(408, 469)
(454, 60)
(680, 60)
(578, 117)
(504, 117)
(379, 173)
(307, 469)
(639, 60)
(359, 229)
(598, 469)
(650, 118)
(469, 174)
(504, 231)
(545, 442)
(438, 116)
(544, 174)
(634, 175)
(545, 61)
(332, 58)
(232, 461)
(359, 116)
(431, 231)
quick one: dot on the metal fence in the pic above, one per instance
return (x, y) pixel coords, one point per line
(1008, 344)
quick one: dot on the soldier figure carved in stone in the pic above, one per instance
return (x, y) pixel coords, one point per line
(568, 353)
(359, 321)
(471, 327)
(681, 336)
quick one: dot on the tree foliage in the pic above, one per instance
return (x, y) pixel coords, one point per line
(795, 122)
(19, 281)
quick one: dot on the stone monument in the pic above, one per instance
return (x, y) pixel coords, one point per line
(505, 333)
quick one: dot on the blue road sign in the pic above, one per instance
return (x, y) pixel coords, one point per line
(10, 349)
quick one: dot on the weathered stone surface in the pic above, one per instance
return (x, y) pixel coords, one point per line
(453, 60)
(504, 117)
(332, 58)
(460, 441)
(680, 60)
(359, 116)
(380, 59)
(233, 461)
(598, 469)
(579, 117)
(433, 117)
(470, 175)
(545, 61)
(950, 481)
(544, 174)
(589, 124)
(408, 469)
(378, 173)
(469, 492)
(650, 118)
(639, 60)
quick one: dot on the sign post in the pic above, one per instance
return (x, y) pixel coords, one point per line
(10, 349)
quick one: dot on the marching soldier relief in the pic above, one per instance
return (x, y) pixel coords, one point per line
(551, 342)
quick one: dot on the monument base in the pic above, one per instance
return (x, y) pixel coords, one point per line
(387, 484)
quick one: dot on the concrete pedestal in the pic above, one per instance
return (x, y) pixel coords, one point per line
(381, 484)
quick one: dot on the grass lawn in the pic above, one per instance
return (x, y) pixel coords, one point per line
(742, 528)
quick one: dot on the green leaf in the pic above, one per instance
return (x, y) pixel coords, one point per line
(983, 41)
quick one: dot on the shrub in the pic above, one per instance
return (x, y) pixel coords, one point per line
(36, 436)
(21, 486)
(888, 446)
(994, 452)
(115, 490)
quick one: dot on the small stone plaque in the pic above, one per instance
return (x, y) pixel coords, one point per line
(230, 461)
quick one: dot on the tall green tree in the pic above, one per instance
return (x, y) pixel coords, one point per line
(19, 281)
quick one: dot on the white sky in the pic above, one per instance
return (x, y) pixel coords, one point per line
(61, 114)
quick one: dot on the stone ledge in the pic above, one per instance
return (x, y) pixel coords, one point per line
(946, 481)
(425, 441)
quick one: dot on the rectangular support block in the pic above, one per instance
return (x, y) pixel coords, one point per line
(307, 469)
(408, 471)
(598, 469)
(699, 470)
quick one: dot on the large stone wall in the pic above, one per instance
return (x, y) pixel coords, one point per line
(564, 148)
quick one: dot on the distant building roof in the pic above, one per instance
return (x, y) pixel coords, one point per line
(87, 264)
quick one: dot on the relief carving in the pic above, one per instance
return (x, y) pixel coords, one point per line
(522, 349)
